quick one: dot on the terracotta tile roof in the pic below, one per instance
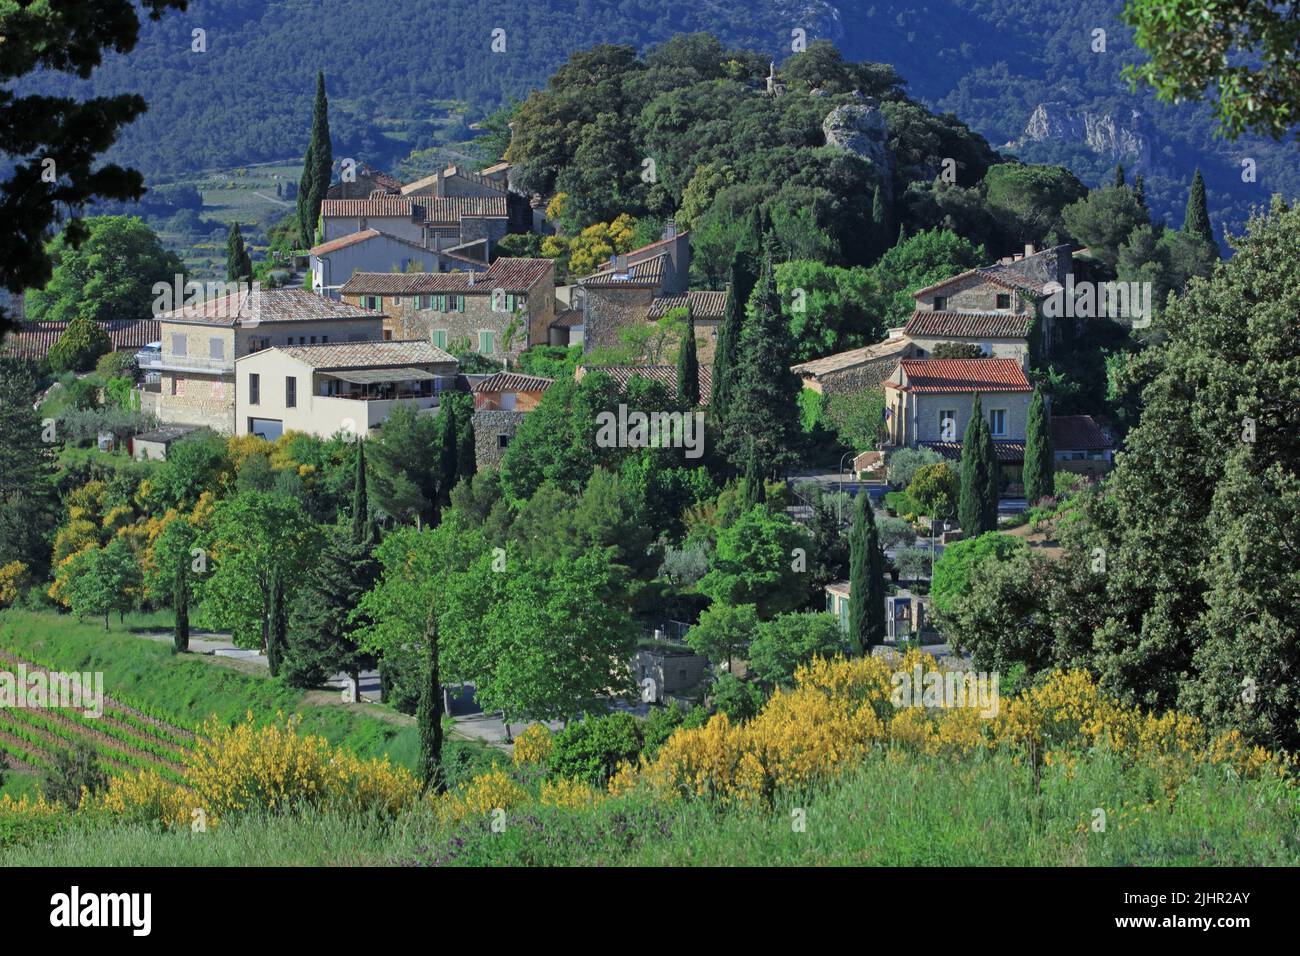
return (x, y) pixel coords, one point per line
(968, 325)
(342, 242)
(267, 305)
(648, 272)
(640, 252)
(379, 206)
(665, 375)
(512, 275)
(1078, 433)
(1007, 451)
(393, 354)
(704, 305)
(851, 358)
(518, 275)
(450, 210)
(33, 340)
(963, 375)
(513, 382)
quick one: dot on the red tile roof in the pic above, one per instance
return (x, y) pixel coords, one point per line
(704, 305)
(353, 355)
(512, 275)
(963, 375)
(518, 275)
(33, 340)
(1078, 433)
(342, 242)
(450, 210)
(267, 305)
(513, 382)
(1006, 451)
(665, 375)
(968, 325)
(648, 272)
(378, 206)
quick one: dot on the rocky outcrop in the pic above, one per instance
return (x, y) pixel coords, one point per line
(861, 129)
(1104, 134)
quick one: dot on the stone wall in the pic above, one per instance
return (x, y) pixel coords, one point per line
(609, 310)
(489, 427)
(867, 376)
(190, 399)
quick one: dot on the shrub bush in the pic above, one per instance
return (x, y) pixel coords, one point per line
(591, 749)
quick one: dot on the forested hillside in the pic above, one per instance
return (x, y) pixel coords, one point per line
(393, 65)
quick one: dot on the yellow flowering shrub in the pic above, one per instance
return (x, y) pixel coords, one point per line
(28, 807)
(534, 745)
(570, 794)
(146, 795)
(273, 767)
(491, 790)
(13, 578)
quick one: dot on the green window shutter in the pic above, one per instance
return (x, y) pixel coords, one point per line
(440, 338)
(485, 343)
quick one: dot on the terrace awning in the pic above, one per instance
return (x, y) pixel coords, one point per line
(370, 376)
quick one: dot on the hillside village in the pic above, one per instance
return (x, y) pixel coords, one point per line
(557, 480)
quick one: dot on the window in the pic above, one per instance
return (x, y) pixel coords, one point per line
(324, 340)
(388, 336)
(1004, 300)
(217, 349)
(290, 392)
(372, 302)
(940, 303)
(439, 338)
(998, 421)
(502, 440)
(459, 304)
(508, 400)
(254, 389)
(178, 385)
(485, 343)
(425, 302)
(313, 340)
(178, 344)
(948, 424)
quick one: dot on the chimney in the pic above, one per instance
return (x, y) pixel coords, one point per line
(670, 229)
(471, 277)
(1029, 249)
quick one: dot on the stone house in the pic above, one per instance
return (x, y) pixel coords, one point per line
(332, 263)
(201, 342)
(854, 370)
(500, 403)
(350, 388)
(513, 299)
(928, 403)
(641, 286)
(1081, 445)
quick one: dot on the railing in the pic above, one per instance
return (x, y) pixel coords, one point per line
(188, 363)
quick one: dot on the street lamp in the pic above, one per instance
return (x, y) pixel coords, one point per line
(839, 501)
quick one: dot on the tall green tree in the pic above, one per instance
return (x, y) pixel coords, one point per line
(408, 459)
(1120, 182)
(762, 405)
(975, 513)
(433, 777)
(727, 347)
(866, 579)
(239, 265)
(277, 628)
(317, 167)
(28, 504)
(1039, 469)
(688, 366)
(62, 135)
(1196, 220)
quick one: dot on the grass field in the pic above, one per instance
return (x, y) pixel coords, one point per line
(187, 689)
(909, 812)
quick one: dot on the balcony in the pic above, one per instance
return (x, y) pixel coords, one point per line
(189, 363)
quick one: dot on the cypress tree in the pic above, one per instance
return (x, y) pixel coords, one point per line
(762, 404)
(971, 506)
(466, 462)
(318, 166)
(1119, 177)
(181, 604)
(276, 626)
(1140, 190)
(755, 492)
(688, 366)
(362, 530)
(239, 265)
(866, 579)
(1038, 474)
(879, 224)
(724, 352)
(429, 715)
(1196, 221)
(992, 471)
